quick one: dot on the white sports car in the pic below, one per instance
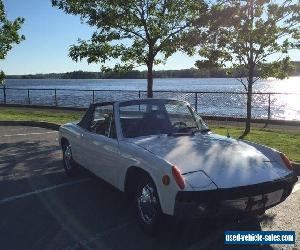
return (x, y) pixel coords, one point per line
(162, 153)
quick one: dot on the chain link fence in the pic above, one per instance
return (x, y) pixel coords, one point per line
(275, 106)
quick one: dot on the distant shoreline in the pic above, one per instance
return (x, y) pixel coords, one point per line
(19, 78)
(136, 74)
(186, 73)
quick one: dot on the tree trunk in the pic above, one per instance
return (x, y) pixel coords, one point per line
(249, 109)
(4, 93)
(150, 62)
(150, 80)
(249, 103)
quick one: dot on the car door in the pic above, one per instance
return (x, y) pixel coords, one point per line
(102, 148)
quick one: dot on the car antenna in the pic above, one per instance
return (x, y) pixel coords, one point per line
(228, 135)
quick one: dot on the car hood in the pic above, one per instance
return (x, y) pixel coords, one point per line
(227, 162)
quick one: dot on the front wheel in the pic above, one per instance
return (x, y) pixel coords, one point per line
(70, 166)
(148, 206)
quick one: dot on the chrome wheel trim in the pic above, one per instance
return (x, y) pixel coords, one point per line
(147, 204)
(68, 157)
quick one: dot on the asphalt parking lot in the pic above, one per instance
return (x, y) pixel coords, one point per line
(42, 208)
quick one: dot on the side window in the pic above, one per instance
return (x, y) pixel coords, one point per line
(103, 121)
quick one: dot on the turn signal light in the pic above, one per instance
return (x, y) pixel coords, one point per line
(178, 177)
(166, 180)
(286, 161)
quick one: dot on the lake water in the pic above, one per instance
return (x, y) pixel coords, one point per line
(283, 106)
(188, 84)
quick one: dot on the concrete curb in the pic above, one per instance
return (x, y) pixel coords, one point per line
(48, 125)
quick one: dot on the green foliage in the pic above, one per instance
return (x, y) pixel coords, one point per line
(247, 35)
(135, 32)
(280, 69)
(8, 35)
(132, 74)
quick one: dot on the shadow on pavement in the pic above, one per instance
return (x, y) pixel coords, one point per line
(26, 157)
(88, 215)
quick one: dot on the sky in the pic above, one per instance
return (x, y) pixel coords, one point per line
(50, 32)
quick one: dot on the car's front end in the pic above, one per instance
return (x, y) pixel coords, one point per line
(208, 175)
(234, 201)
(223, 176)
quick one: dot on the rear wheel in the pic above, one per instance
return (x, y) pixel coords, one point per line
(148, 206)
(70, 165)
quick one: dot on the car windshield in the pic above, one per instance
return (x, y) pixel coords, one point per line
(153, 117)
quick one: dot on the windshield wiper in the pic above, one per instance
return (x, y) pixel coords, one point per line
(180, 133)
(191, 132)
(205, 130)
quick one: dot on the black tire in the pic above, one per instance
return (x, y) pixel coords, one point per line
(70, 165)
(148, 206)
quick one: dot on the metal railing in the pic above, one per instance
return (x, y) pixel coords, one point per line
(278, 106)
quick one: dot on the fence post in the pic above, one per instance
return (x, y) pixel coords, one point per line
(269, 107)
(139, 94)
(196, 101)
(4, 94)
(93, 96)
(55, 97)
(28, 96)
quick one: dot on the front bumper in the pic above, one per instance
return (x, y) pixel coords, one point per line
(252, 199)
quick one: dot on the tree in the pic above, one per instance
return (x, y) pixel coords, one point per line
(8, 35)
(252, 37)
(134, 32)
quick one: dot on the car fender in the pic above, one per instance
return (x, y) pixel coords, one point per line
(71, 132)
(156, 167)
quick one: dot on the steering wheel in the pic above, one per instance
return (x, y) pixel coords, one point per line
(93, 124)
(179, 125)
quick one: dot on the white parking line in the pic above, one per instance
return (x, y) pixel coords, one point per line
(16, 197)
(49, 132)
(296, 188)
